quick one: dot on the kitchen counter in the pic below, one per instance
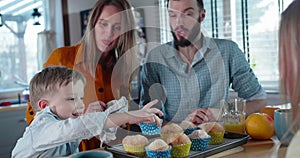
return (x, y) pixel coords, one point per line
(13, 124)
(257, 149)
(13, 107)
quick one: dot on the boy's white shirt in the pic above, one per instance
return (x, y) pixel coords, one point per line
(49, 136)
(114, 106)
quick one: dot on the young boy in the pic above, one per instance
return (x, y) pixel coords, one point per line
(62, 123)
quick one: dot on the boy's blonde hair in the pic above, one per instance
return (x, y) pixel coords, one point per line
(49, 80)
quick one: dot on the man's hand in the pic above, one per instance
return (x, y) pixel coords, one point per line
(200, 115)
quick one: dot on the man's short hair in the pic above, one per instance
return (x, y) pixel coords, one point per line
(199, 2)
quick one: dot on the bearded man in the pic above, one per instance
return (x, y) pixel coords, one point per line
(195, 72)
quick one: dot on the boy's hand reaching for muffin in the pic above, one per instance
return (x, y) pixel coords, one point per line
(146, 114)
(98, 106)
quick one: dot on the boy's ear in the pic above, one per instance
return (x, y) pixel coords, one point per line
(42, 104)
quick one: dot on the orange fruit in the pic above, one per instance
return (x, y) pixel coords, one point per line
(259, 126)
(269, 110)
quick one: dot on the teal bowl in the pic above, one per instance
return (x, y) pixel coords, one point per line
(92, 154)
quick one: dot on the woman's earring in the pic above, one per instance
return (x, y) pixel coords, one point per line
(116, 53)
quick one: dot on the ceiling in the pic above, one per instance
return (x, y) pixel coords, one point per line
(19, 9)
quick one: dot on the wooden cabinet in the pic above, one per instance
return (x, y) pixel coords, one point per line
(13, 124)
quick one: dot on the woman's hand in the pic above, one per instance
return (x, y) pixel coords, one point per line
(97, 106)
(146, 114)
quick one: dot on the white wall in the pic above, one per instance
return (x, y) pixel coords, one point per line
(74, 8)
(151, 17)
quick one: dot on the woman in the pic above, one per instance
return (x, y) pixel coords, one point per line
(109, 35)
(289, 66)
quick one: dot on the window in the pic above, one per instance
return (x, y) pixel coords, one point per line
(18, 44)
(253, 26)
(165, 35)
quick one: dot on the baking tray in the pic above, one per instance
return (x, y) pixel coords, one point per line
(231, 140)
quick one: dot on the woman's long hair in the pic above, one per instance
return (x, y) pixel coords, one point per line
(289, 55)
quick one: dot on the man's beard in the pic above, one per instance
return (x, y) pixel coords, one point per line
(187, 42)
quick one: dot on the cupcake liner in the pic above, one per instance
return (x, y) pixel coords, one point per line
(159, 154)
(190, 130)
(149, 128)
(138, 150)
(169, 138)
(216, 137)
(199, 144)
(180, 150)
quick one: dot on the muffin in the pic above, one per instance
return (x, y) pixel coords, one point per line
(215, 130)
(200, 140)
(151, 128)
(181, 145)
(170, 130)
(135, 144)
(185, 124)
(198, 134)
(158, 148)
(188, 127)
(158, 145)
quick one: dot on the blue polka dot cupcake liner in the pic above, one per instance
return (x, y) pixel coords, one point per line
(190, 130)
(159, 154)
(150, 128)
(199, 144)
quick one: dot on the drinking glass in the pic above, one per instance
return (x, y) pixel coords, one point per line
(233, 115)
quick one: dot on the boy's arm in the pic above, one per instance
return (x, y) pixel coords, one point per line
(98, 106)
(146, 114)
(51, 132)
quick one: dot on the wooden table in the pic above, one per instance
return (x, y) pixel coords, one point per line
(256, 149)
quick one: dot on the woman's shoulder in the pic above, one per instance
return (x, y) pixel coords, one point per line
(63, 56)
(66, 50)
